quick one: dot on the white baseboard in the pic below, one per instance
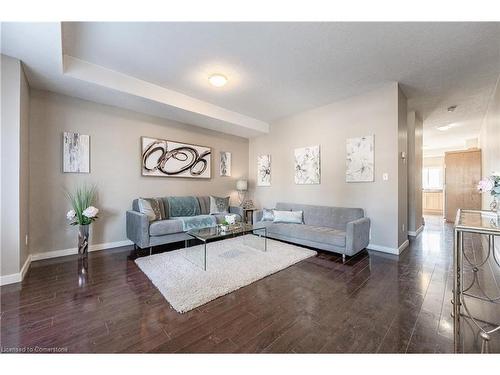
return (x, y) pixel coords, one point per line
(404, 246)
(74, 250)
(383, 249)
(16, 277)
(389, 250)
(26, 266)
(417, 232)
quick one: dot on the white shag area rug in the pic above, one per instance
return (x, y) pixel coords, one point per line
(231, 264)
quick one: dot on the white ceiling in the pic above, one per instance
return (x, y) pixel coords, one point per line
(278, 69)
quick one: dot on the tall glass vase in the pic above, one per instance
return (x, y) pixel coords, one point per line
(83, 240)
(83, 271)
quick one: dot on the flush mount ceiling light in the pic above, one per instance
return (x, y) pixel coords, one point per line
(217, 80)
(446, 127)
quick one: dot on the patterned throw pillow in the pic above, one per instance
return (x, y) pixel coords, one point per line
(151, 208)
(219, 205)
(289, 217)
(267, 214)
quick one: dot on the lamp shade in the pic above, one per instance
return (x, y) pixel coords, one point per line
(242, 185)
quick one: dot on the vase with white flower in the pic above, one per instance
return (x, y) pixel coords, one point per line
(83, 213)
(491, 184)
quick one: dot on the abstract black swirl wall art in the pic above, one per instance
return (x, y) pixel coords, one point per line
(163, 158)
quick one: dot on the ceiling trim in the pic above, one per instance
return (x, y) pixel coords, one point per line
(207, 114)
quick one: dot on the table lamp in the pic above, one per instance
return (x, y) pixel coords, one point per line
(242, 187)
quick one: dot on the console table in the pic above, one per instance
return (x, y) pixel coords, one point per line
(485, 223)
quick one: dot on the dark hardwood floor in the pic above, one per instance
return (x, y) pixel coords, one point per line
(373, 303)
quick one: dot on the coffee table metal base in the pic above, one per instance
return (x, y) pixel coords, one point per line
(202, 257)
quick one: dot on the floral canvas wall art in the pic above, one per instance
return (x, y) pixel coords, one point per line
(264, 170)
(307, 165)
(360, 159)
(225, 164)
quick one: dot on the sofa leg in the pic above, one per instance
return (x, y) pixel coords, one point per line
(135, 247)
(151, 250)
(343, 258)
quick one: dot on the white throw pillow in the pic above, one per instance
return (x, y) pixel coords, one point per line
(290, 217)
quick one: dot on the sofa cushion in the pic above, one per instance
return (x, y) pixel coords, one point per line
(291, 217)
(162, 227)
(311, 233)
(323, 216)
(204, 205)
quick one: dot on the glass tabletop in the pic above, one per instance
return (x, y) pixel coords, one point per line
(487, 221)
(205, 234)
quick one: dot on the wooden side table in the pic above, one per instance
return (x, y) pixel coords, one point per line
(246, 218)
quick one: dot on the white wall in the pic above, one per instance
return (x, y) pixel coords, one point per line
(377, 112)
(490, 140)
(14, 171)
(433, 161)
(115, 166)
(24, 170)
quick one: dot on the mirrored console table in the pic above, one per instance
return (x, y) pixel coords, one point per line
(469, 276)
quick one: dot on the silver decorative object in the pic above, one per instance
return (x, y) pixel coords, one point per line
(495, 207)
(480, 222)
(83, 240)
(248, 204)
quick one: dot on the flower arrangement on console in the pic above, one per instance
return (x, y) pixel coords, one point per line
(83, 213)
(491, 184)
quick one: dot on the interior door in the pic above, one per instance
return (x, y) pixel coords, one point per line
(462, 173)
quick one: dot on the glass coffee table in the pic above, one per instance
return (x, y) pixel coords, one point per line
(198, 254)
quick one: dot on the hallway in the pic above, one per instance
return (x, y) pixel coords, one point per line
(437, 242)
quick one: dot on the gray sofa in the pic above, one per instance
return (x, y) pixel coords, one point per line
(146, 234)
(337, 229)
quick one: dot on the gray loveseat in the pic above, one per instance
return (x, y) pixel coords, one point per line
(337, 229)
(148, 234)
